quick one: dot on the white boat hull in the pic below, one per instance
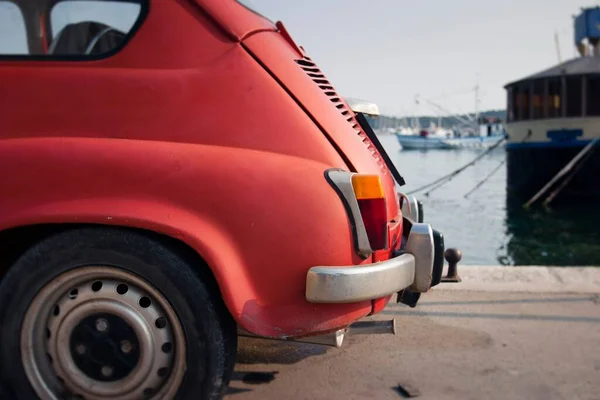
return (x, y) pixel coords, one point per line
(413, 142)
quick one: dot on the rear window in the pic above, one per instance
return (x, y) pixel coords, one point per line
(71, 28)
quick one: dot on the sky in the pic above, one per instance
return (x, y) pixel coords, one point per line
(389, 51)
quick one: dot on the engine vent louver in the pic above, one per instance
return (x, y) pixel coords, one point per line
(317, 76)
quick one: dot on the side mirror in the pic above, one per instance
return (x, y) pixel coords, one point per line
(363, 106)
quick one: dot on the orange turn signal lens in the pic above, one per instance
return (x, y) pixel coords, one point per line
(367, 187)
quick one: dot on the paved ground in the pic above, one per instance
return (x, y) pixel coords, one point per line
(456, 344)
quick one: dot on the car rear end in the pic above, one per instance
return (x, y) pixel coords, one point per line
(399, 253)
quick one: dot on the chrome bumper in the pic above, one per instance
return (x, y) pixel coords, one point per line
(349, 284)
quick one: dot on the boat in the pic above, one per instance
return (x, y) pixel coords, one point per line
(553, 118)
(475, 142)
(426, 139)
(472, 131)
(490, 134)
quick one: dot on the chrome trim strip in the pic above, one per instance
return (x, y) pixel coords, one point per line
(350, 284)
(420, 245)
(343, 181)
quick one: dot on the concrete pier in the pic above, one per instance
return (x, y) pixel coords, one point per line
(503, 333)
(531, 279)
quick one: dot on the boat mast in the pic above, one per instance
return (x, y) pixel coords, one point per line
(476, 105)
(556, 41)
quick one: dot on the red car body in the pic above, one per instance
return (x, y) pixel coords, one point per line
(204, 128)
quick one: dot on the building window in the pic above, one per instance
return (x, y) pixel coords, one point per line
(574, 100)
(72, 28)
(523, 101)
(510, 108)
(537, 99)
(593, 95)
(554, 98)
(13, 36)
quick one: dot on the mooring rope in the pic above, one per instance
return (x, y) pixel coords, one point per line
(565, 170)
(448, 177)
(485, 179)
(568, 179)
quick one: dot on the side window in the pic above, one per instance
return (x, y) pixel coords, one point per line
(593, 95)
(510, 109)
(537, 100)
(13, 37)
(71, 28)
(554, 97)
(574, 96)
(91, 27)
(521, 96)
(525, 104)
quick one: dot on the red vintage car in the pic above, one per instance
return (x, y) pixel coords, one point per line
(173, 174)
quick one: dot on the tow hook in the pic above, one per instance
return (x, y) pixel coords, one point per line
(452, 256)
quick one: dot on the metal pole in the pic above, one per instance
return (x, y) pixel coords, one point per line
(562, 172)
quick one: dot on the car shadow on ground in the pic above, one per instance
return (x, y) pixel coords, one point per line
(264, 351)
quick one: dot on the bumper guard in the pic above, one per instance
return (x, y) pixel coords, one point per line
(350, 284)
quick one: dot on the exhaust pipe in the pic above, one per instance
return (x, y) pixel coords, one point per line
(335, 339)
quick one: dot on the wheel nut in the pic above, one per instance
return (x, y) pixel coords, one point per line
(101, 325)
(126, 346)
(80, 349)
(107, 371)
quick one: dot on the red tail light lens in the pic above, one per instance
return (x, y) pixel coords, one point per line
(375, 219)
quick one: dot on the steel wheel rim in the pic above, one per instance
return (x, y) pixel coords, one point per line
(88, 316)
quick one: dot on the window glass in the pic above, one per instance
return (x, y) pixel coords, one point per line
(574, 96)
(77, 28)
(554, 98)
(593, 95)
(521, 97)
(13, 37)
(91, 27)
(525, 103)
(119, 15)
(510, 105)
(515, 102)
(538, 99)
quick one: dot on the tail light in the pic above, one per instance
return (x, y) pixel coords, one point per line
(364, 200)
(371, 202)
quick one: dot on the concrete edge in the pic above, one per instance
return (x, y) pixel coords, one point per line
(530, 279)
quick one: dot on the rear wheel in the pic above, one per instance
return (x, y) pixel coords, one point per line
(98, 313)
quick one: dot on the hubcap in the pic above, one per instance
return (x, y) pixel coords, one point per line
(96, 349)
(100, 332)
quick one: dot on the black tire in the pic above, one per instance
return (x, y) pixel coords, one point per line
(209, 330)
